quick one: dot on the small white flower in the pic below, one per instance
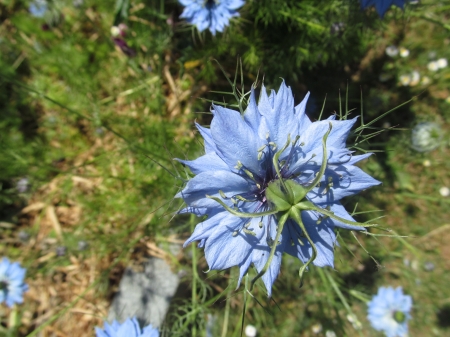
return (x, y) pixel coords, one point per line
(426, 163)
(391, 51)
(405, 80)
(433, 66)
(447, 100)
(250, 331)
(415, 78)
(426, 136)
(444, 191)
(115, 31)
(330, 333)
(316, 328)
(425, 80)
(442, 63)
(404, 52)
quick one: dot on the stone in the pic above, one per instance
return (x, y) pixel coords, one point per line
(145, 295)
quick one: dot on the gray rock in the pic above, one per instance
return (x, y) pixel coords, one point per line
(145, 295)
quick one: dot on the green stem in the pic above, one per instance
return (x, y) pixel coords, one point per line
(241, 214)
(339, 293)
(295, 214)
(277, 156)
(281, 223)
(309, 206)
(227, 308)
(324, 160)
(194, 279)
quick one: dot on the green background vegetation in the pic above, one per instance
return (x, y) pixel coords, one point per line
(94, 132)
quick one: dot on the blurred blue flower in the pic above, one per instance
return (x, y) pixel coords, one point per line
(38, 8)
(243, 153)
(382, 5)
(129, 328)
(389, 311)
(12, 286)
(210, 14)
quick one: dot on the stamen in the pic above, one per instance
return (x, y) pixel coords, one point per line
(246, 231)
(222, 194)
(262, 148)
(247, 172)
(241, 198)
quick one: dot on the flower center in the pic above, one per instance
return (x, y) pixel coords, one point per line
(210, 3)
(3, 285)
(399, 316)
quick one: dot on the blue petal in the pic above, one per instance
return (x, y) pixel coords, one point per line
(100, 333)
(281, 119)
(337, 137)
(223, 250)
(259, 258)
(302, 120)
(265, 105)
(322, 235)
(356, 159)
(235, 139)
(204, 229)
(252, 116)
(209, 162)
(210, 146)
(261, 253)
(150, 331)
(194, 210)
(347, 180)
(209, 183)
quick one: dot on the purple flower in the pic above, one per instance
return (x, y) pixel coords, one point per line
(271, 182)
(123, 45)
(12, 284)
(38, 8)
(382, 5)
(214, 15)
(389, 311)
(129, 328)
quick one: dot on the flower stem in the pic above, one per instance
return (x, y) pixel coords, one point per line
(295, 214)
(241, 214)
(194, 280)
(324, 160)
(227, 307)
(281, 223)
(307, 205)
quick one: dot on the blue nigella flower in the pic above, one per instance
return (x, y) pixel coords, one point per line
(210, 14)
(38, 8)
(129, 328)
(389, 311)
(271, 182)
(12, 286)
(382, 5)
